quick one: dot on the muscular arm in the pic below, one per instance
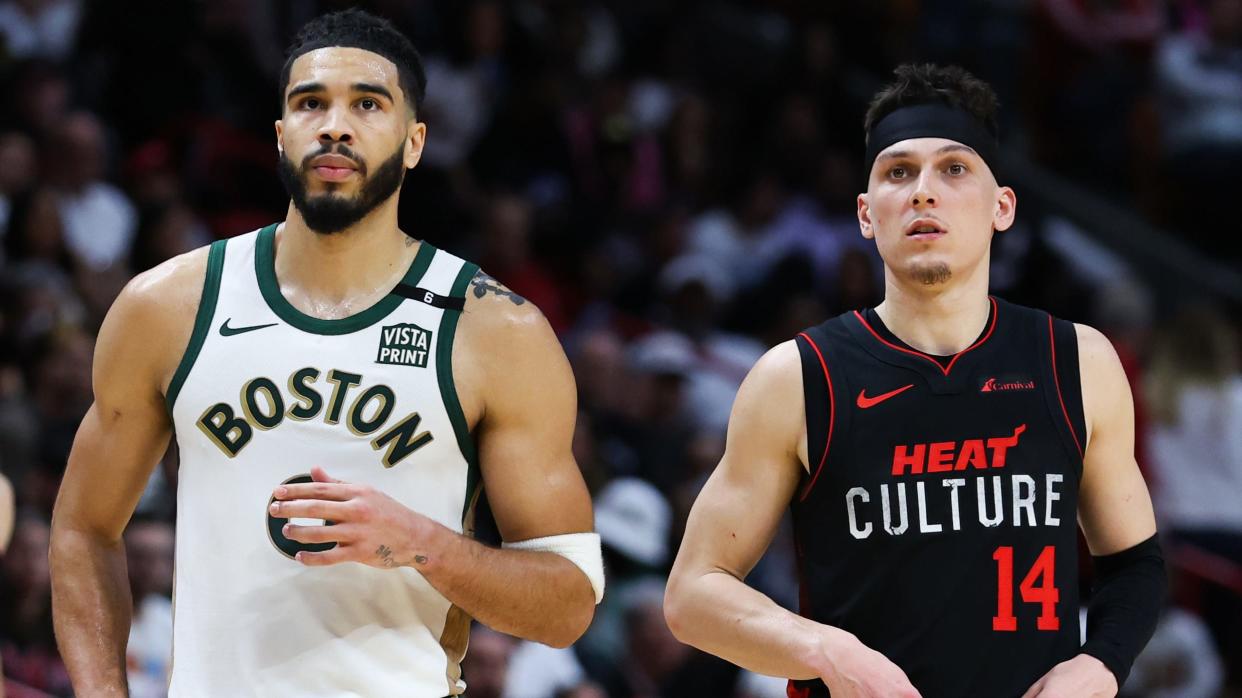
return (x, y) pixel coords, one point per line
(118, 443)
(1114, 507)
(514, 378)
(707, 603)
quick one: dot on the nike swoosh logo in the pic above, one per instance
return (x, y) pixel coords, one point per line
(227, 331)
(865, 402)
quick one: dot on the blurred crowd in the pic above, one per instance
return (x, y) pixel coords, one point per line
(673, 183)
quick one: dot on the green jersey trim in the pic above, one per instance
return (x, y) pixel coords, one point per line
(448, 388)
(265, 269)
(202, 321)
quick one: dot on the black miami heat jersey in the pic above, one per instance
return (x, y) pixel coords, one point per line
(937, 520)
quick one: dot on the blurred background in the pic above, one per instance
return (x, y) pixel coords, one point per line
(673, 183)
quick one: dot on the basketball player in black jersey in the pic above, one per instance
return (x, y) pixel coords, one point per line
(938, 451)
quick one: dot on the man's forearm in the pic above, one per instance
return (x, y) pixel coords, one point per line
(91, 608)
(721, 615)
(534, 595)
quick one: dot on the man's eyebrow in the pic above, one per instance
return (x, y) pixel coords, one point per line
(366, 87)
(894, 155)
(905, 154)
(373, 89)
(305, 88)
(956, 147)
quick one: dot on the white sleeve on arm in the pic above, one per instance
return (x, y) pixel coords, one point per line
(582, 549)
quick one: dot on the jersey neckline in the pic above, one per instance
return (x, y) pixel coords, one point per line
(921, 361)
(265, 270)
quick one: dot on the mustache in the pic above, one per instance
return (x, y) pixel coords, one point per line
(336, 149)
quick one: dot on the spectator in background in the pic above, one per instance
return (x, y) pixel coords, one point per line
(469, 78)
(149, 552)
(167, 230)
(633, 520)
(654, 664)
(1194, 392)
(40, 28)
(695, 290)
(1100, 54)
(1199, 80)
(17, 174)
(98, 220)
(35, 233)
(507, 230)
(27, 646)
(1179, 662)
(485, 667)
(652, 440)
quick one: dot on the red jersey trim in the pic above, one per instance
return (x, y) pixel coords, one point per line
(1057, 380)
(832, 417)
(793, 691)
(943, 369)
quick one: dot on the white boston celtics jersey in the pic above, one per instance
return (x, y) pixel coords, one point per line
(263, 394)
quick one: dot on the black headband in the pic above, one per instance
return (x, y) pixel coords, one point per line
(934, 120)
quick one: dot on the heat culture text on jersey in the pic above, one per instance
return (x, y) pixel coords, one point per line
(264, 406)
(1022, 500)
(938, 511)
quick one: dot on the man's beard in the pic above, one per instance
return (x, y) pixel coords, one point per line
(931, 274)
(330, 212)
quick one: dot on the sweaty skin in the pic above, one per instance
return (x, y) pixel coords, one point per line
(708, 604)
(512, 377)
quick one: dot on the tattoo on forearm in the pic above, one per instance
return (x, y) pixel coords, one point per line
(483, 284)
(384, 553)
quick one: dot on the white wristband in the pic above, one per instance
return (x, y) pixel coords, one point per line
(582, 549)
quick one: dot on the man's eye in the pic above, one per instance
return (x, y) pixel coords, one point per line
(897, 172)
(957, 168)
(369, 104)
(310, 103)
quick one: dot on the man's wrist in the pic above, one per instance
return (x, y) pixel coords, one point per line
(831, 644)
(1099, 665)
(430, 544)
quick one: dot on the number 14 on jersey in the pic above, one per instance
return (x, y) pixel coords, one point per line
(1039, 586)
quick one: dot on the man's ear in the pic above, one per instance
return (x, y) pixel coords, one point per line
(1006, 209)
(415, 139)
(280, 136)
(865, 224)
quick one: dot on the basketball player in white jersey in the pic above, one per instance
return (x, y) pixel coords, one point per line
(339, 392)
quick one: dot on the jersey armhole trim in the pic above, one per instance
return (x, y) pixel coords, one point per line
(448, 388)
(202, 321)
(1052, 341)
(832, 418)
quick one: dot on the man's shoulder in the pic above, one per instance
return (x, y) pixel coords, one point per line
(496, 310)
(170, 285)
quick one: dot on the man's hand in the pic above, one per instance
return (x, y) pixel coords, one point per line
(368, 526)
(1083, 676)
(857, 671)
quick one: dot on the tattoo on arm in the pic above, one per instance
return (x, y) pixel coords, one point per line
(483, 284)
(384, 553)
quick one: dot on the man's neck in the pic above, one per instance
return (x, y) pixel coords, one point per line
(942, 319)
(331, 276)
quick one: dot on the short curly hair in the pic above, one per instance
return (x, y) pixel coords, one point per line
(923, 83)
(356, 28)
